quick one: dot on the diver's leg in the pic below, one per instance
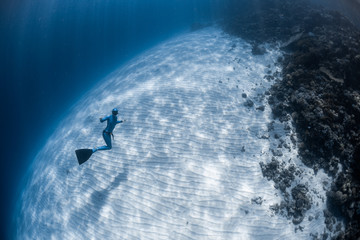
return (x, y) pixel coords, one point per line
(107, 139)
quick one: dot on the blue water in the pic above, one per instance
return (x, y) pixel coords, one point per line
(54, 51)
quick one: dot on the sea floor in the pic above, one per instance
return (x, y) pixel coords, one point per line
(185, 164)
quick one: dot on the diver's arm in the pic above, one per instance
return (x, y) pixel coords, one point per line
(121, 121)
(104, 119)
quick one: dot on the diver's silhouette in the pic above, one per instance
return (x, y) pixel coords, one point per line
(84, 154)
(107, 133)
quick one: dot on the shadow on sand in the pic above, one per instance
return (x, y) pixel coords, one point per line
(90, 213)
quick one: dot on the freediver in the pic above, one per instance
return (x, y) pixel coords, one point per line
(108, 131)
(84, 154)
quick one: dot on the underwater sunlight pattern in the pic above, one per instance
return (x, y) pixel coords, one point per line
(185, 164)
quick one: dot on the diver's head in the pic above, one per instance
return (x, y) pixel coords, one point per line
(115, 111)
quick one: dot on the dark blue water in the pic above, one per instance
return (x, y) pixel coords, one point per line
(54, 51)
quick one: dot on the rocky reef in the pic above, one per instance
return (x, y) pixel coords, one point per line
(319, 91)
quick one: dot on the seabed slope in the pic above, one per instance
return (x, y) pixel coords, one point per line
(185, 165)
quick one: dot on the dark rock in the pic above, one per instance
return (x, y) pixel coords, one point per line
(270, 126)
(261, 108)
(249, 103)
(300, 203)
(257, 200)
(319, 88)
(258, 50)
(277, 152)
(338, 227)
(283, 177)
(298, 220)
(244, 95)
(325, 236)
(327, 214)
(282, 186)
(265, 136)
(275, 208)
